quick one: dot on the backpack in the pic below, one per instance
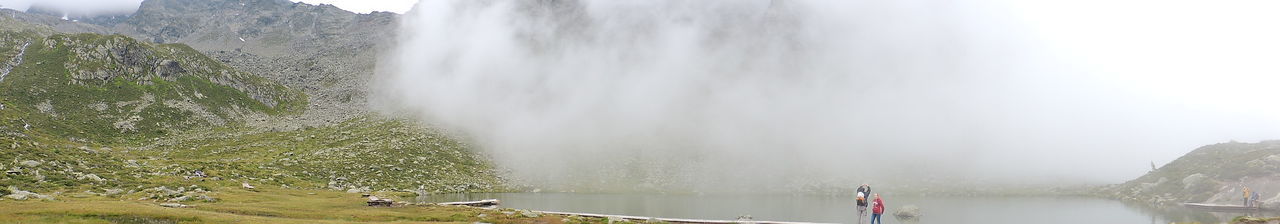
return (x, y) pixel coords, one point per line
(862, 199)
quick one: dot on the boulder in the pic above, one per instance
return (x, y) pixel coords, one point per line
(29, 163)
(22, 195)
(168, 68)
(165, 191)
(92, 177)
(908, 212)
(380, 202)
(180, 199)
(173, 205)
(359, 190)
(207, 198)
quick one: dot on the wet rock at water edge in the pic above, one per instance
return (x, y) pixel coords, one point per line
(908, 213)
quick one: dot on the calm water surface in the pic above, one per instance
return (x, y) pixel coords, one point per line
(810, 208)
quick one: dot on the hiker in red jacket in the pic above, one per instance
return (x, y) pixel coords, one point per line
(877, 209)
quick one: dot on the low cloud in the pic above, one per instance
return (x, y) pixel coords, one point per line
(749, 95)
(76, 8)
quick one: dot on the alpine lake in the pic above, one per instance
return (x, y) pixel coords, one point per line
(835, 209)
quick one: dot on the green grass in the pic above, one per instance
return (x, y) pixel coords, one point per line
(363, 152)
(1252, 220)
(371, 153)
(264, 205)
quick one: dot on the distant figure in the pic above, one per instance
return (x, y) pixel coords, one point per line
(863, 192)
(877, 209)
(1247, 193)
(1253, 199)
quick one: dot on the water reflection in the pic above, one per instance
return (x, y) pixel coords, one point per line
(812, 208)
(1178, 213)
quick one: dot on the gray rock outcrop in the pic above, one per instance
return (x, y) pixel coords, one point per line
(21, 195)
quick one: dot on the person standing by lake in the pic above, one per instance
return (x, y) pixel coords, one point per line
(862, 207)
(877, 209)
(863, 192)
(1246, 196)
(1253, 200)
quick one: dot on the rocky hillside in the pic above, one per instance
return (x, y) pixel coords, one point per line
(185, 97)
(65, 99)
(1212, 174)
(116, 116)
(108, 88)
(326, 52)
(320, 49)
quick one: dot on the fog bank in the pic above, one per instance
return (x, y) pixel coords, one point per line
(765, 95)
(76, 8)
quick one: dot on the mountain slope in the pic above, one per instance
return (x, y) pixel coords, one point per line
(109, 113)
(278, 103)
(1213, 174)
(66, 100)
(109, 88)
(326, 52)
(320, 49)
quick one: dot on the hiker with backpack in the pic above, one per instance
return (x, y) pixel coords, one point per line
(863, 192)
